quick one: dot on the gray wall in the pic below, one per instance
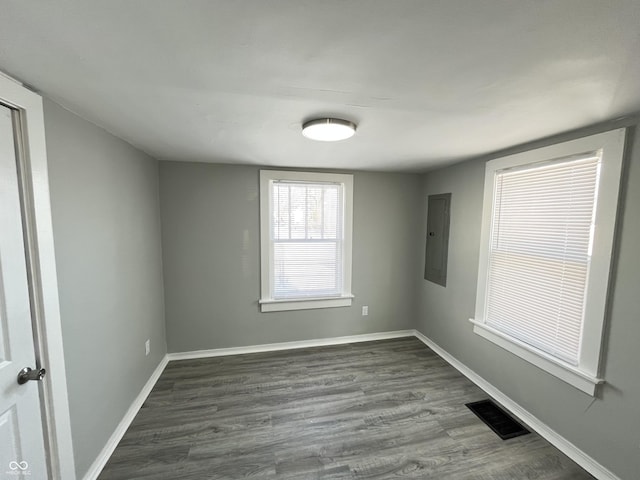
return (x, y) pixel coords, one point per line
(210, 237)
(607, 427)
(106, 224)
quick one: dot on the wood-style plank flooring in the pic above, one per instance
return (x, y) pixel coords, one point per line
(374, 410)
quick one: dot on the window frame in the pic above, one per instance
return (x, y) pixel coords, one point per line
(267, 302)
(586, 375)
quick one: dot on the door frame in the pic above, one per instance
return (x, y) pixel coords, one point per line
(41, 269)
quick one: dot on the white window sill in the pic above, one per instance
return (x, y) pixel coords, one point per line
(564, 371)
(268, 305)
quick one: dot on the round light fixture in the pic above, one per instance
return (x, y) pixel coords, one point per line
(328, 129)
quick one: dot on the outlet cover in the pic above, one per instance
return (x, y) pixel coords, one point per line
(147, 347)
(365, 310)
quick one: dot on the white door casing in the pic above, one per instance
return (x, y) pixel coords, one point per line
(32, 171)
(21, 433)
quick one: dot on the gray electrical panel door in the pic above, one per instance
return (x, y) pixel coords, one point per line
(435, 268)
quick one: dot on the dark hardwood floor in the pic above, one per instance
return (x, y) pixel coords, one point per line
(374, 410)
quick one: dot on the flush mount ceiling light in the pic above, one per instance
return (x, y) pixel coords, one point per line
(328, 129)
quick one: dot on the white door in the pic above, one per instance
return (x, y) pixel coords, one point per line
(21, 432)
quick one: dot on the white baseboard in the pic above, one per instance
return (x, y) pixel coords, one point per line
(99, 463)
(553, 437)
(270, 347)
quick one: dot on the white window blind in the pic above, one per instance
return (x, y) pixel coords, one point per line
(307, 239)
(548, 230)
(540, 250)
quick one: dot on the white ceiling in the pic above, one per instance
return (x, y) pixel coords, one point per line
(427, 81)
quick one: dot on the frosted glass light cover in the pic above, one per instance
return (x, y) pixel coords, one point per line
(328, 129)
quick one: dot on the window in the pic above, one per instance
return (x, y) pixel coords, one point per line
(547, 240)
(305, 228)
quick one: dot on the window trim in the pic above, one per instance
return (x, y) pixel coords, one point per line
(267, 302)
(586, 376)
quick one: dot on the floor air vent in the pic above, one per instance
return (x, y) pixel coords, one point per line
(497, 419)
